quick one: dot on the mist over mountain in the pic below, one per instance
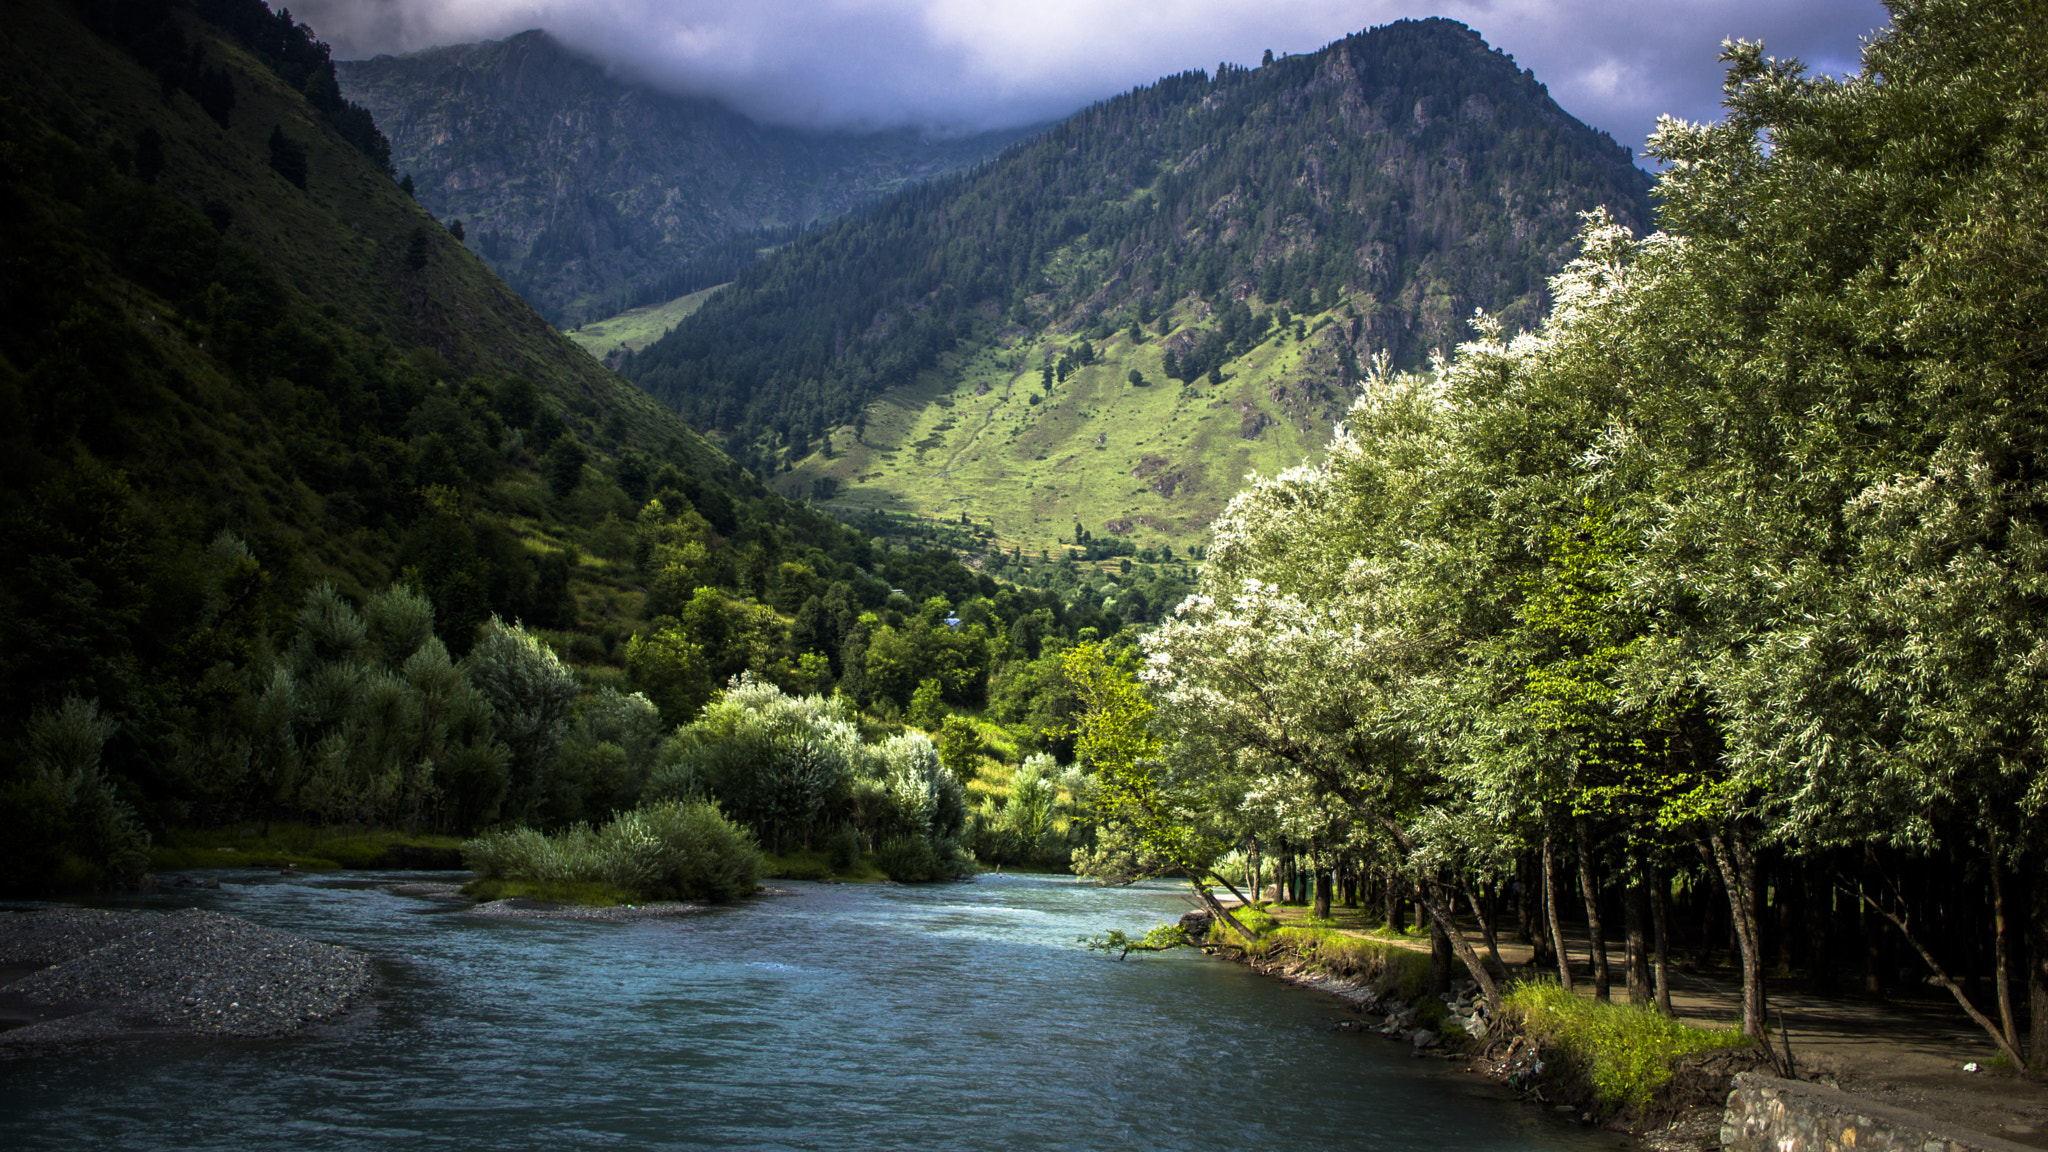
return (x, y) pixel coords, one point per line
(591, 194)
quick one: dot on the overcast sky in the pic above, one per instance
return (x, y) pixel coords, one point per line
(1617, 64)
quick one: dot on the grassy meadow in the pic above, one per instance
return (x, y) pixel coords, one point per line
(1154, 463)
(636, 328)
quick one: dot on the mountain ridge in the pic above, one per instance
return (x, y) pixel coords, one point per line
(585, 190)
(1312, 213)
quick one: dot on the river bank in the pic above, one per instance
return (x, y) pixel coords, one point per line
(89, 974)
(1908, 1058)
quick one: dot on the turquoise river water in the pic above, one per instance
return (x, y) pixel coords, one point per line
(953, 1016)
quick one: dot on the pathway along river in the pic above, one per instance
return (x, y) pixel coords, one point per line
(953, 1016)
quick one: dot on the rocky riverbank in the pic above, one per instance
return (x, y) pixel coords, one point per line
(77, 974)
(1686, 1112)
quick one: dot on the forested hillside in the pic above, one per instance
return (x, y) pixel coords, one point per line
(1306, 215)
(310, 518)
(590, 194)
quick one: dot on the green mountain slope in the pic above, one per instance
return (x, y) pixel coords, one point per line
(237, 363)
(1273, 227)
(589, 193)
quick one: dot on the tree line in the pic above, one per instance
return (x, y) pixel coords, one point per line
(1721, 585)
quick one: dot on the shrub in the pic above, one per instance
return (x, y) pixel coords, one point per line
(1624, 1051)
(67, 828)
(908, 859)
(842, 850)
(673, 851)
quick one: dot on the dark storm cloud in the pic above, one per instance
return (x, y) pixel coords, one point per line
(975, 63)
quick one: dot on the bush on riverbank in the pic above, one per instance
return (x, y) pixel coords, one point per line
(1625, 1052)
(670, 851)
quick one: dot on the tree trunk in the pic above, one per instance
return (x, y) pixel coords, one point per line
(1439, 917)
(1942, 977)
(1526, 916)
(1393, 903)
(1485, 917)
(1439, 960)
(1439, 914)
(2037, 965)
(1659, 923)
(1820, 931)
(1564, 958)
(1873, 928)
(1592, 895)
(1737, 865)
(2001, 958)
(1716, 903)
(1634, 902)
(1323, 883)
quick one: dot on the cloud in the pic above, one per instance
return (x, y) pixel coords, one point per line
(1616, 64)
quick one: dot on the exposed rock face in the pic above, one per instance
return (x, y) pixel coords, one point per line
(105, 974)
(575, 185)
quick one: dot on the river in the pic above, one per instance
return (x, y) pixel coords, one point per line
(952, 1016)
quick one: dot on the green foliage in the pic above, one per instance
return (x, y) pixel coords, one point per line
(666, 851)
(69, 830)
(960, 746)
(204, 416)
(925, 711)
(531, 695)
(1625, 1052)
(1162, 938)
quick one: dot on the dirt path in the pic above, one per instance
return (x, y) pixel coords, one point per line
(1907, 1053)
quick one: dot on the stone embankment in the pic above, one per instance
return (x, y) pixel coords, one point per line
(1766, 1114)
(76, 974)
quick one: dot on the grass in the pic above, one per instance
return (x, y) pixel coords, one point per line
(1401, 971)
(1624, 1051)
(943, 447)
(281, 845)
(638, 327)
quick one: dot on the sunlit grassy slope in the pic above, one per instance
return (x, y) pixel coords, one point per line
(1153, 463)
(638, 327)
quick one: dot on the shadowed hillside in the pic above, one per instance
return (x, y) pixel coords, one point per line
(591, 194)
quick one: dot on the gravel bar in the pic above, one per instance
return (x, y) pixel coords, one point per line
(519, 908)
(114, 974)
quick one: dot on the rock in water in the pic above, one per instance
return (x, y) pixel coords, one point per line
(106, 974)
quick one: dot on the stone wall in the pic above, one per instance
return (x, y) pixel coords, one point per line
(1766, 1114)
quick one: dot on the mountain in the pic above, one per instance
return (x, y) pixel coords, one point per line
(268, 431)
(590, 194)
(1099, 333)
